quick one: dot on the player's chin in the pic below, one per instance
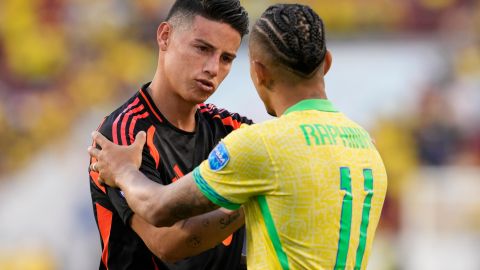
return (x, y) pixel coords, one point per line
(270, 111)
(199, 97)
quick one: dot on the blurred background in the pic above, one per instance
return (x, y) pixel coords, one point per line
(409, 71)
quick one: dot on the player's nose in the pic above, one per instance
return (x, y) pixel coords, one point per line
(212, 66)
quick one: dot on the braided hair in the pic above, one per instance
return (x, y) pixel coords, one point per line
(294, 36)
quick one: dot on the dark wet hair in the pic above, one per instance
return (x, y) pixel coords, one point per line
(226, 11)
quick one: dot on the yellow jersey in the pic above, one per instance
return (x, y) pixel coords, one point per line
(312, 185)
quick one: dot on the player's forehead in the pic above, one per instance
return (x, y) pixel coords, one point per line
(216, 33)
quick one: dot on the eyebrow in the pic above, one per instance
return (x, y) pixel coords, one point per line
(205, 43)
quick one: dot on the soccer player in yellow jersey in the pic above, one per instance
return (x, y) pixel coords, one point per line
(311, 182)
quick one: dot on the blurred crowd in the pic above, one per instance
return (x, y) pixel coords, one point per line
(60, 58)
(443, 127)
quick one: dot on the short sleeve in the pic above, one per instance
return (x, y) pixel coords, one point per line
(238, 168)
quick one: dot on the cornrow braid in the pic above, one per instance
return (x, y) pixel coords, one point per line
(296, 36)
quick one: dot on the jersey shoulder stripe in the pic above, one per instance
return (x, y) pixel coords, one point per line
(133, 124)
(233, 120)
(151, 146)
(149, 102)
(117, 119)
(126, 117)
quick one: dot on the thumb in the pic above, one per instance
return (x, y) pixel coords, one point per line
(140, 140)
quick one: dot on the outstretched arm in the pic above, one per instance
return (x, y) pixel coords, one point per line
(157, 204)
(163, 205)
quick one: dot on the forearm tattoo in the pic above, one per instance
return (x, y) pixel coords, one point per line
(224, 222)
(206, 222)
(192, 203)
(194, 241)
(181, 211)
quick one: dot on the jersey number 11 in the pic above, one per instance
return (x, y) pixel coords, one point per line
(346, 218)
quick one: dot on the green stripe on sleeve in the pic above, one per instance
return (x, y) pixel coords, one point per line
(211, 194)
(272, 232)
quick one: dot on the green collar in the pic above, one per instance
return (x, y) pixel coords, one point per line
(323, 105)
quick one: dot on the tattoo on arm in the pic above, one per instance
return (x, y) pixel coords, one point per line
(181, 211)
(224, 222)
(206, 222)
(192, 202)
(194, 241)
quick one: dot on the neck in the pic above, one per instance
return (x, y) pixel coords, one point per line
(285, 96)
(178, 111)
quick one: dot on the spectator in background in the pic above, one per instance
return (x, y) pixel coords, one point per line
(436, 134)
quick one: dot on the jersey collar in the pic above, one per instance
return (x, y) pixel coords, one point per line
(323, 105)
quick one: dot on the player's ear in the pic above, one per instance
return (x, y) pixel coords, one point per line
(327, 62)
(262, 74)
(164, 32)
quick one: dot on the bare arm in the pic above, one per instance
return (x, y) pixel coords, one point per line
(188, 237)
(163, 205)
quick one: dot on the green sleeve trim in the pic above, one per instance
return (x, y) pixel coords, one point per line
(272, 232)
(211, 194)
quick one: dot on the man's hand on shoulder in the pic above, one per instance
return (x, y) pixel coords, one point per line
(115, 161)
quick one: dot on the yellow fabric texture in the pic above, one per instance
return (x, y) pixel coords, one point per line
(297, 169)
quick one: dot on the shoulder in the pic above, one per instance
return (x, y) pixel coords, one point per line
(244, 149)
(246, 137)
(265, 132)
(225, 117)
(126, 121)
(212, 111)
